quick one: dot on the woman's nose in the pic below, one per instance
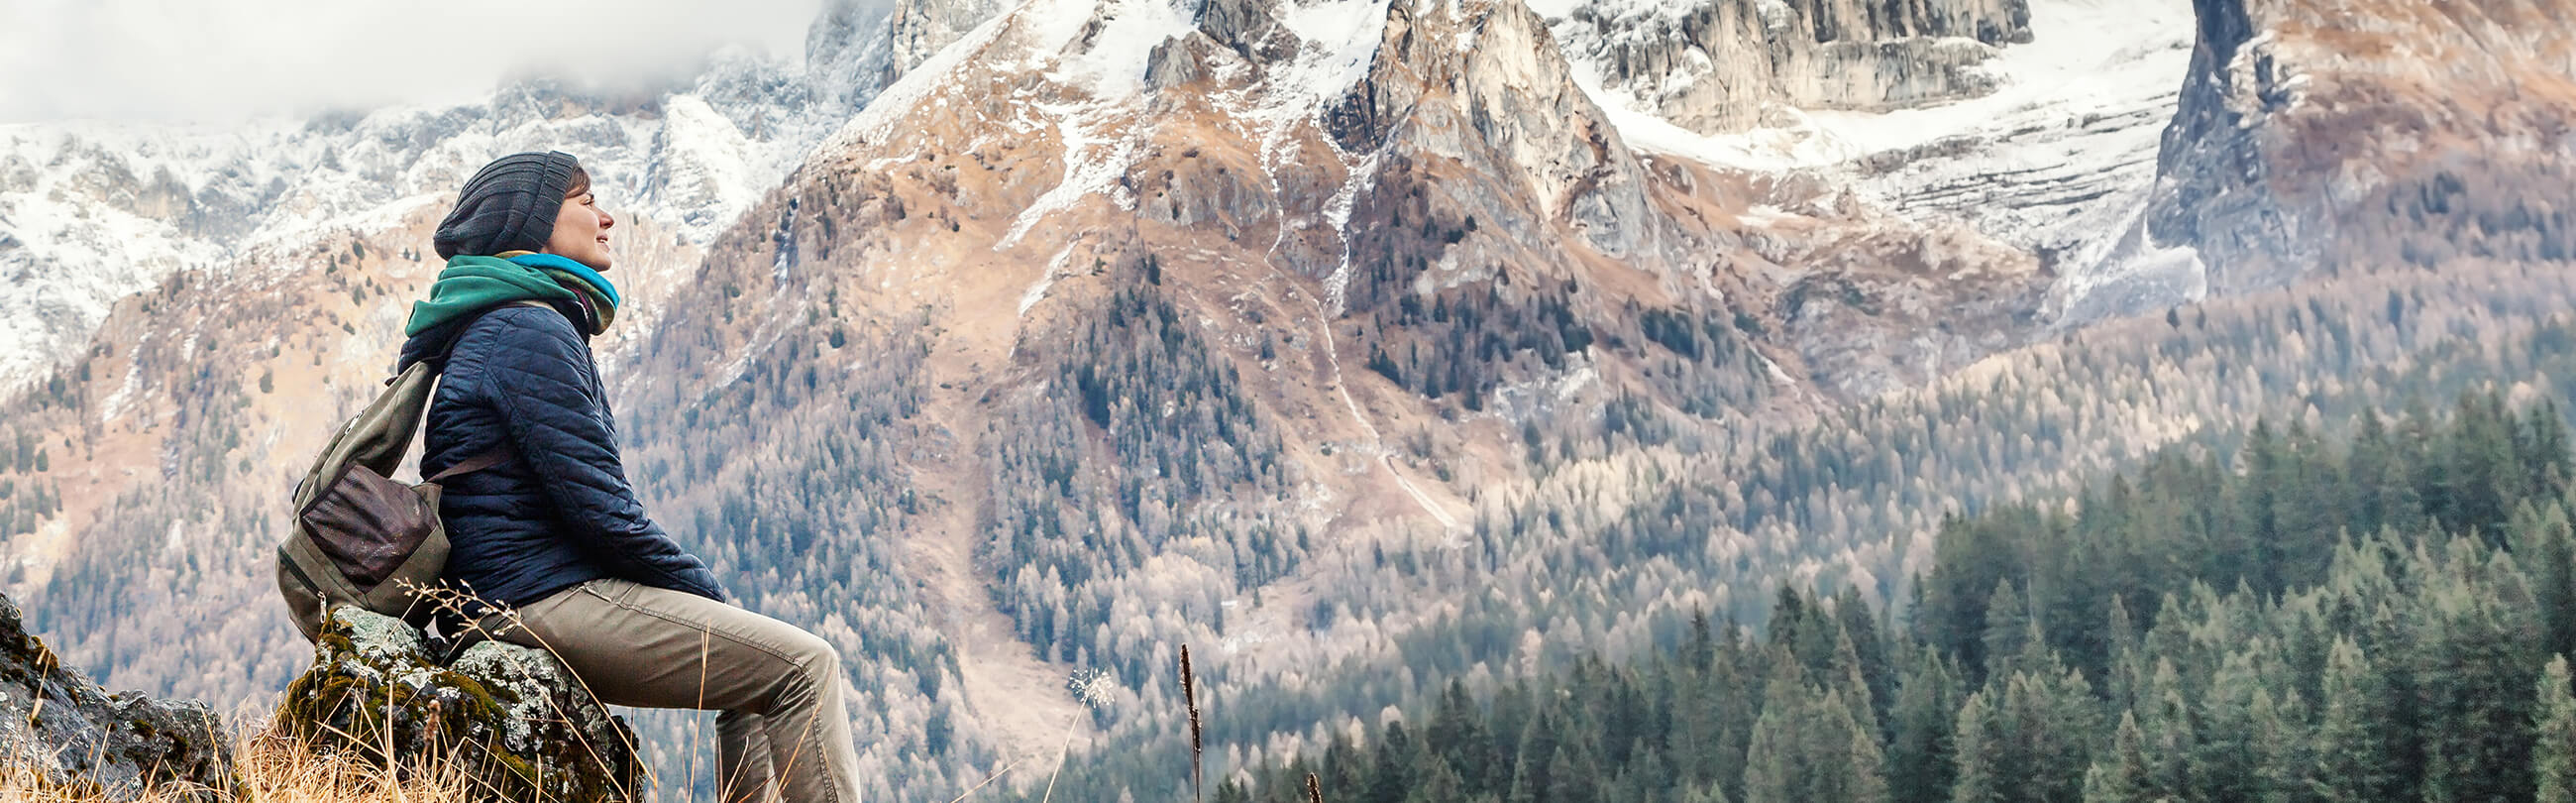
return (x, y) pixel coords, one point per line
(607, 221)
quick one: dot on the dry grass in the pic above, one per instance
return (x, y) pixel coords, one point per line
(276, 769)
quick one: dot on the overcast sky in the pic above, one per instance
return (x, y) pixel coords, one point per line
(218, 60)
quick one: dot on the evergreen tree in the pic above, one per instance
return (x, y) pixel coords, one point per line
(2351, 752)
(2553, 755)
(1845, 758)
(2007, 630)
(2121, 777)
(1984, 776)
(1440, 784)
(2048, 724)
(1920, 767)
(1772, 772)
(2475, 663)
(2280, 732)
(1776, 768)
(1390, 771)
(2545, 548)
(2165, 719)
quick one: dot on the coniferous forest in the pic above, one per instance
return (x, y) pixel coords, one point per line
(2379, 617)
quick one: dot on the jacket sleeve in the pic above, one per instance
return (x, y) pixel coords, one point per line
(539, 377)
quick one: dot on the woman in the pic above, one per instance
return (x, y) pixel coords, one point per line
(553, 531)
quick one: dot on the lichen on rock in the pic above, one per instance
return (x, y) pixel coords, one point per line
(77, 739)
(511, 717)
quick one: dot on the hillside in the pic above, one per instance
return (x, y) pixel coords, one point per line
(1363, 345)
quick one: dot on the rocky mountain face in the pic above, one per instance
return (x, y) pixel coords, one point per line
(1094, 327)
(856, 48)
(1132, 344)
(61, 733)
(92, 212)
(2305, 142)
(1727, 65)
(1064, 350)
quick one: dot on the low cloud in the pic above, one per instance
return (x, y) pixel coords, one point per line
(217, 60)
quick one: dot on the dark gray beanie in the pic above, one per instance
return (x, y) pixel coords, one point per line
(509, 205)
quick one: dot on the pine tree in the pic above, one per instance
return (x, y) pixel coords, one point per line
(1775, 760)
(1849, 686)
(2048, 724)
(1390, 770)
(1456, 737)
(2285, 760)
(2121, 777)
(1573, 776)
(2545, 548)
(2007, 630)
(1984, 774)
(2553, 755)
(2352, 752)
(1844, 756)
(1771, 768)
(1920, 767)
(2165, 719)
(2473, 665)
(1440, 784)
(2225, 766)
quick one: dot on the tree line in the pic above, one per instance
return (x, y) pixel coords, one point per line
(2378, 619)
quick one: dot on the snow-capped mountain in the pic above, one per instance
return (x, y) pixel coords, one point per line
(997, 339)
(1726, 65)
(2030, 124)
(92, 212)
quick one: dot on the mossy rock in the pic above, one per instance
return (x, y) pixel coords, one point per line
(81, 741)
(512, 716)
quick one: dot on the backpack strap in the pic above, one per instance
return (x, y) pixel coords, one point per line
(492, 457)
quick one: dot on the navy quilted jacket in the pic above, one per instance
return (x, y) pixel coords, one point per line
(562, 512)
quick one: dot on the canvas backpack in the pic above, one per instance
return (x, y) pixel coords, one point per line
(360, 538)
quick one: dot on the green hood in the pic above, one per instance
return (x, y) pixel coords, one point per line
(471, 283)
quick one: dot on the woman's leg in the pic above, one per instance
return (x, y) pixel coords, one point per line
(742, 753)
(635, 645)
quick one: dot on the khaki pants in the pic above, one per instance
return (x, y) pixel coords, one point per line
(778, 686)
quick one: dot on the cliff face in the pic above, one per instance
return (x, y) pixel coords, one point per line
(855, 48)
(2307, 141)
(62, 731)
(1721, 65)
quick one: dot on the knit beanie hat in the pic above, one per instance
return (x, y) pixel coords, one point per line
(509, 205)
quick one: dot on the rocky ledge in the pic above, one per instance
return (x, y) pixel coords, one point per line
(512, 718)
(61, 735)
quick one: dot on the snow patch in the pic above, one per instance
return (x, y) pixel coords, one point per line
(1038, 289)
(91, 212)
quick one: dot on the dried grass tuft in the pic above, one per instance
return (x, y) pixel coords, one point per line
(278, 769)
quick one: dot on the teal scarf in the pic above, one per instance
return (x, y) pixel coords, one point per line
(472, 283)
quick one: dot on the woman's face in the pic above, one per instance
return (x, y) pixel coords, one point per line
(581, 232)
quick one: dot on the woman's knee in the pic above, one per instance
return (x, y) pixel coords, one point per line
(814, 657)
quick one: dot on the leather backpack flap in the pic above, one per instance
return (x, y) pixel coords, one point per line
(368, 525)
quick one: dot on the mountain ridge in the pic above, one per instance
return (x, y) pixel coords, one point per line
(1267, 336)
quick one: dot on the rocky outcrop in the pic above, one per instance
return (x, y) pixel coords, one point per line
(2213, 194)
(1719, 65)
(76, 739)
(510, 716)
(1500, 125)
(857, 48)
(2305, 143)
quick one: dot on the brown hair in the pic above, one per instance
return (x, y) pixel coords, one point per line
(580, 182)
